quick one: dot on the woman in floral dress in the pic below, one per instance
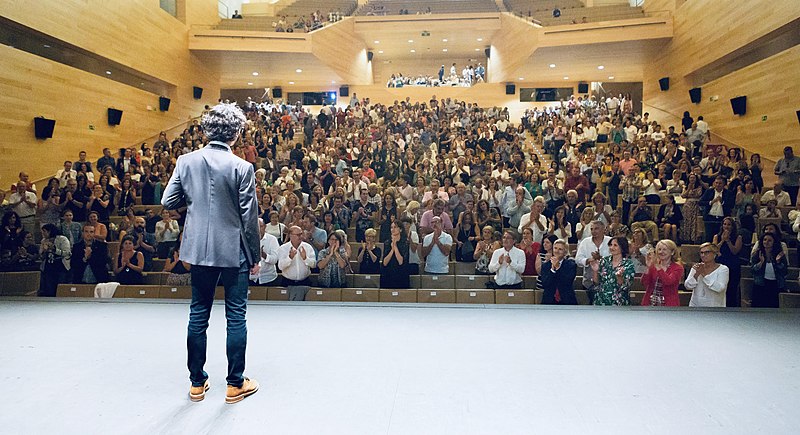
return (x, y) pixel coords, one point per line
(613, 275)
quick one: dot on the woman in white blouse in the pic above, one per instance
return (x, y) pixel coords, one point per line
(708, 280)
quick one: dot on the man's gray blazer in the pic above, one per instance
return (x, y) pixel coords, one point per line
(220, 193)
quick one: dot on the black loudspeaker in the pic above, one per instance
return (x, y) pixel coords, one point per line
(664, 83)
(369, 56)
(488, 52)
(511, 89)
(198, 92)
(583, 88)
(114, 116)
(696, 95)
(798, 116)
(277, 93)
(163, 104)
(739, 105)
(43, 127)
(344, 91)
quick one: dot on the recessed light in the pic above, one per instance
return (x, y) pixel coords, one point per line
(46, 46)
(611, 77)
(444, 49)
(522, 78)
(250, 83)
(377, 42)
(255, 73)
(413, 51)
(477, 49)
(480, 39)
(291, 83)
(444, 40)
(108, 72)
(298, 70)
(601, 67)
(552, 65)
(333, 82)
(410, 40)
(380, 51)
(566, 78)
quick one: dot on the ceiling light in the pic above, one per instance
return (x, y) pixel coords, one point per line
(480, 39)
(413, 51)
(46, 46)
(298, 70)
(255, 73)
(250, 83)
(601, 67)
(611, 77)
(380, 51)
(522, 78)
(444, 40)
(444, 49)
(410, 40)
(333, 82)
(377, 42)
(566, 78)
(291, 83)
(477, 49)
(108, 72)
(552, 65)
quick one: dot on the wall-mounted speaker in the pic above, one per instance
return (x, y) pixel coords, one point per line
(198, 92)
(114, 116)
(277, 93)
(163, 104)
(487, 52)
(344, 91)
(695, 94)
(583, 88)
(664, 83)
(798, 116)
(369, 56)
(739, 105)
(43, 127)
(511, 89)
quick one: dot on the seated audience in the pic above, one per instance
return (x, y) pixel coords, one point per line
(179, 271)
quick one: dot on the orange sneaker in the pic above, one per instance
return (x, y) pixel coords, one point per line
(248, 388)
(197, 394)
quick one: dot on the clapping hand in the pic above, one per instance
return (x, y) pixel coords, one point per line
(302, 252)
(292, 253)
(620, 271)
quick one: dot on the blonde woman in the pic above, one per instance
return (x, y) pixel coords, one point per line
(664, 273)
(707, 280)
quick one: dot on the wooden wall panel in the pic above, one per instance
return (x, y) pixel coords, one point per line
(706, 31)
(339, 48)
(31, 86)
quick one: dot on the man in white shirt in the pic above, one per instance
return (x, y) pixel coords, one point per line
(592, 247)
(535, 220)
(508, 263)
(436, 248)
(65, 174)
(778, 194)
(267, 274)
(295, 259)
(23, 203)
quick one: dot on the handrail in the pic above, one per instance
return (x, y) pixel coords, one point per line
(149, 139)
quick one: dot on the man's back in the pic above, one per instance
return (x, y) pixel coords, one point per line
(222, 215)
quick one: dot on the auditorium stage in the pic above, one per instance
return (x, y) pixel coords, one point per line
(116, 367)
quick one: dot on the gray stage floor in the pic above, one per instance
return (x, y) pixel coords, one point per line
(117, 367)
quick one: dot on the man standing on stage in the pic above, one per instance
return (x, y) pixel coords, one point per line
(220, 241)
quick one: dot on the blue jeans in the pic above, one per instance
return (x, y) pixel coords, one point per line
(204, 281)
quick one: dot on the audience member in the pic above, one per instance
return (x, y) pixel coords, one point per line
(707, 280)
(507, 263)
(558, 276)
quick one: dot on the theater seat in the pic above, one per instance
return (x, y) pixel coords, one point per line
(137, 291)
(789, 300)
(475, 296)
(398, 295)
(365, 281)
(437, 296)
(361, 295)
(175, 292)
(75, 290)
(323, 294)
(437, 282)
(516, 296)
(472, 281)
(277, 294)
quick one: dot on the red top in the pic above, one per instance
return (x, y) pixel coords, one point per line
(530, 258)
(669, 278)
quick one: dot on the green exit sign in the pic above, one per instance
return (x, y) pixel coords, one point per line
(763, 118)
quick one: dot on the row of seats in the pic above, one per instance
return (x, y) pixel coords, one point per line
(592, 14)
(370, 294)
(393, 7)
(524, 6)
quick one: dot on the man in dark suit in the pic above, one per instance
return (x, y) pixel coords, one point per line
(558, 277)
(716, 204)
(89, 261)
(220, 241)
